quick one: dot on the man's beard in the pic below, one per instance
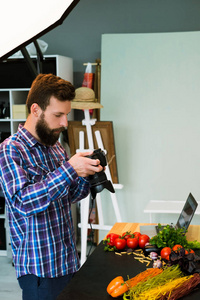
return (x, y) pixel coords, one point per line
(46, 135)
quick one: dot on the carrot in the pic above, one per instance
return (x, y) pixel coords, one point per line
(142, 289)
(143, 276)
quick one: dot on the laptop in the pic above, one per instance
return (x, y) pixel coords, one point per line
(184, 219)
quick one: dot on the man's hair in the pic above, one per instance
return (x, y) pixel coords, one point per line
(47, 85)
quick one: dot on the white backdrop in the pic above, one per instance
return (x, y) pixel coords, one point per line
(150, 89)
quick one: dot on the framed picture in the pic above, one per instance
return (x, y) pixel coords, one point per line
(107, 136)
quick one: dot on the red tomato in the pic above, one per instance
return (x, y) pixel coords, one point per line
(120, 243)
(132, 242)
(126, 234)
(143, 239)
(189, 251)
(165, 252)
(176, 248)
(137, 234)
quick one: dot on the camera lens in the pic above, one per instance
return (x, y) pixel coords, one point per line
(99, 181)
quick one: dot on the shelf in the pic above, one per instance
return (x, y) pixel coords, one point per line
(14, 88)
(12, 120)
(3, 252)
(5, 120)
(166, 207)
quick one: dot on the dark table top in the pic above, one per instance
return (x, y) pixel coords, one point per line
(91, 281)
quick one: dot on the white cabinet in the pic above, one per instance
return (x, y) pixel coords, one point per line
(3, 239)
(11, 96)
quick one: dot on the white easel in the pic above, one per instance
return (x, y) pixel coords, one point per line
(85, 202)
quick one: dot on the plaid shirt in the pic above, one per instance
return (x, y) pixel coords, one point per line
(39, 186)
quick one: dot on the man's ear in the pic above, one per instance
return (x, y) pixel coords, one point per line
(35, 110)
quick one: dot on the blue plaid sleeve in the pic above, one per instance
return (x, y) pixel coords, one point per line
(31, 196)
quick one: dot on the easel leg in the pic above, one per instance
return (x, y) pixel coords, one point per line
(99, 209)
(84, 229)
(85, 202)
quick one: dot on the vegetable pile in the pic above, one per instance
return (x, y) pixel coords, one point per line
(169, 283)
(146, 289)
(175, 272)
(118, 286)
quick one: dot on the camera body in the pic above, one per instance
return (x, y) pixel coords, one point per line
(99, 154)
(99, 181)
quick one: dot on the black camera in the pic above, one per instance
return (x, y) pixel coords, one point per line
(99, 181)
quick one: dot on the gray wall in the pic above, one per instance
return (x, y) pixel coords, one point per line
(79, 36)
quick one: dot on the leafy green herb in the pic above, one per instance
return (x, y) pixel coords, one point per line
(169, 236)
(193, 245)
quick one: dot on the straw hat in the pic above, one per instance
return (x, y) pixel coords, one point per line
(85, 99)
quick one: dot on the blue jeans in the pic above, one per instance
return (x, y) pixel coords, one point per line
(37, 288)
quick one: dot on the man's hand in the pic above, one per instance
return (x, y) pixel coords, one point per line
(83, 165)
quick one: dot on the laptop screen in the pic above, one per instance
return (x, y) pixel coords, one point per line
(187, 213)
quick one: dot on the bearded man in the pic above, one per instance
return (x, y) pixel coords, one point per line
(40, 183)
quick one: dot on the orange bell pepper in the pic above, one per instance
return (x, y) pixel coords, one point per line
(117, 287)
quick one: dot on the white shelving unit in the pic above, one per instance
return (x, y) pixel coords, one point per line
(63, 67)
(166, 207)
(3, 252)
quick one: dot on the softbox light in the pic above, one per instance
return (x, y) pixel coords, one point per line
(22, 21)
